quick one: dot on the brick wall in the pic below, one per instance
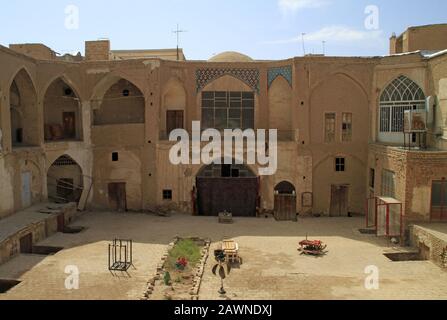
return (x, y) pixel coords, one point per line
(97, 50)
(438, 247)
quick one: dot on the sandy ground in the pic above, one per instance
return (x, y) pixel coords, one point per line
(272, 268)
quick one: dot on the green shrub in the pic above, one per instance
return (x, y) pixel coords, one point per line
(184, 249)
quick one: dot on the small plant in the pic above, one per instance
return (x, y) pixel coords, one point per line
(167, 279)
(185, 249)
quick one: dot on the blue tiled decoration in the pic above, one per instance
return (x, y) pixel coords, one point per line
(208, 75)
(285, 72)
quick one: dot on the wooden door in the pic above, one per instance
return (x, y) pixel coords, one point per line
(61, 222)
(69, 124)
(26, 244)
(439, 200)
(339, 201)
(26, 189)
(117, 196)
(236, 195)
(285, 207)
(174, 120)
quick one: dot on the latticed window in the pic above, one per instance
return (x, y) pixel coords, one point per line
(399, 96)
(329, 127)
(340, 164)
(228, 110)
(388, 184)
(64, 161)
(347, 127)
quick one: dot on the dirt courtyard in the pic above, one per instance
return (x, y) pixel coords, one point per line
(272, 268)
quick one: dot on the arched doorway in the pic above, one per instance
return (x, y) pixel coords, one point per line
(232, 188)
(285, 202)
(64, 181)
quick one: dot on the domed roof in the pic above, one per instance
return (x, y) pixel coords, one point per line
(230, 56)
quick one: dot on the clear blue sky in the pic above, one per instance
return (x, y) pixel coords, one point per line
(263, 29)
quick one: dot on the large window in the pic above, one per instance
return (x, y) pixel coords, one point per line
(329, 127)
(388, 184)
(228, 110)
(401, 95)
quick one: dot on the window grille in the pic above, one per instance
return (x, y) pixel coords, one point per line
(401, 95)
(340, 164)
(347, 127)
(228, 110)
(329, 127)
(65, 161)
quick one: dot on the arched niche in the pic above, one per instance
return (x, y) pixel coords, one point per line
(228, 103)
(64, 180)
(280, 108)
(173, 108)
(338, 96)
(62, 114)
(121, 103)
(23, 111)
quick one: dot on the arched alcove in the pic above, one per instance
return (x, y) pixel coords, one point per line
(121, 103)
(23, 109)
(280, 108)
(64, 180)
(62, 115)
(173, 108)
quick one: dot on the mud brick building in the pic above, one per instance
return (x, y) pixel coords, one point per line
(94, 130)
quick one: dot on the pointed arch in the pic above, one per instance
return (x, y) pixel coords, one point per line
(173, 107)
(23, 110)
(400, 95)
(62, 112)
(402, 88)
(64, 180)
(117, 100)
(280, 108)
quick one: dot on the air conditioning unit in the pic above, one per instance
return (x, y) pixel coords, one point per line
(415, 121)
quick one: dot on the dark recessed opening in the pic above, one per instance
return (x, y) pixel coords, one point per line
(368, 231)
(6, 285)
(226, 171)
(302, 103)
(46, 251)
(126, 93)
(68, 91)
(167, 194)
(404, 256)
(19, 135)
(115, 156)
(73, 230)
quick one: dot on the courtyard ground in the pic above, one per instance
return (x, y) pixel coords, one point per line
(272, 268)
